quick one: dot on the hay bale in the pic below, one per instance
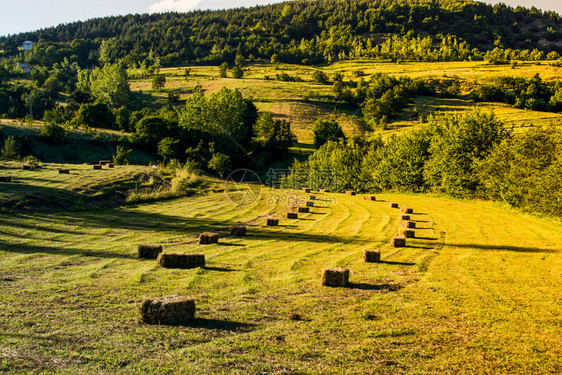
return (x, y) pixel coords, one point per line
(208, 238)
(149, 251)
(335, 277)
(292, 215)
(185, 261)
(30, 167)
(5, 179)
(371, 255)
(398, 241)
(304, 210)
(369, 198)
(97, 167)
(272, 222)
(111, 165)
(407, 210)
(167, 311)
(104, 162)
(409, 224)
(393, 205)
(238, 231)
(312, 198)
(405, 232)
(405, 217)
(64, 171)
(309, 204)
(306, 190)
(350, 193)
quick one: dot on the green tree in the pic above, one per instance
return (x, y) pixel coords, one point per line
(11, 148)
(240, 61)
(319, 76)
(219, 163)
(96, 115)
(121, 156)
(326, 130)
(158, 82)
(237, 72)
(168, 149)
(109, 84)
(223, 68)
(52, 133)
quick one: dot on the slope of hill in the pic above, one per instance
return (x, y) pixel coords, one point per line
(477, 291)
(297, 31)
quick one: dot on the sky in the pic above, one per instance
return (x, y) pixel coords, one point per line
(18, 16)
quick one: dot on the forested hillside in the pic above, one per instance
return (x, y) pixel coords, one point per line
(301, 32)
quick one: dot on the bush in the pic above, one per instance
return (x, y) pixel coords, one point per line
(237, 72)
(326, 130)
(52, 133)
(319, 76)
(11, 149)
(121, 156)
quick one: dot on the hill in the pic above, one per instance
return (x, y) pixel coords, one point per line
(477, 291)
(298, 32)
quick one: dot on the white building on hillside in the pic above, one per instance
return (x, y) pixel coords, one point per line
(27, 45)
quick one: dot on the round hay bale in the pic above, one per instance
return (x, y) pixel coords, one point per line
(405, 217)
(184, 261)
(407, 210)
(371, 255)
(167, 311)
(64, 171)
(398, 241)
(405, 232)
(306, 190)
(393, 205)
(350, 193)
(97, 167)
(238, 231)
(149, 251)
(309, 204)
(335, 277)
(370, 198)
(312, 198)
(5, 178)
(272, 222)
(304, 210)
(292, 215)
(409, 224)
(208, 238)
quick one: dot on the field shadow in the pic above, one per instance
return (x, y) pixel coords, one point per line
(426, 238)
(519, 249)
(33, 249)
(217, 324)
(218, 269)
(365, 286)
(394, 263)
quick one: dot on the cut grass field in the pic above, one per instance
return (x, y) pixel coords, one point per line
(476, 292)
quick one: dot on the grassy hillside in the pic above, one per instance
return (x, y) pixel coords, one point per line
(477, 292)
(302, 103)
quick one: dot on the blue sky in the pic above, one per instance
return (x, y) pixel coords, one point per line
(18, 16)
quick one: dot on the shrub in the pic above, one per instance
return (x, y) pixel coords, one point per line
(52, 133)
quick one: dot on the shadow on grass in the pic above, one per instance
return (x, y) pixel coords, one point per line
(218, 269)
(519, 249)
(364, 286)
(391, 262)
(426, 238)
(217, 324)
(34, 249)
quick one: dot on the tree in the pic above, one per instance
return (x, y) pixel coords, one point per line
(121, 156)
(96, 115)
(326, 130)
(319, 76)
(158, 82)
(223, 69)
(52, 133)
(240, 61)
(219, 163)
(237, 72)
(168, 149)
(11, 149)
(109, 84)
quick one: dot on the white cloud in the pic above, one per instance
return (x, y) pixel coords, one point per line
(174, 6)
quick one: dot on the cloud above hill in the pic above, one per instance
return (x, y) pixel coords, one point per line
(174, 6)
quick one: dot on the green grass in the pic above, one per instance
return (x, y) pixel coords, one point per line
(478, 292)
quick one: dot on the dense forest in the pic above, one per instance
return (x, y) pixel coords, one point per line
(299, 32)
